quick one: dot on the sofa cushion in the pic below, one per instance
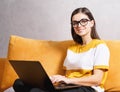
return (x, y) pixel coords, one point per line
(112, 83)
(49, 53)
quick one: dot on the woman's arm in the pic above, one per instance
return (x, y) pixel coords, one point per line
(92, 80)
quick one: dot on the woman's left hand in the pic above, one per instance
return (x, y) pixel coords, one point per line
(58, 78)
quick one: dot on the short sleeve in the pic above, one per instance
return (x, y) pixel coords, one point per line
(102, 55)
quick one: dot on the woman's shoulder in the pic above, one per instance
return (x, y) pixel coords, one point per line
(98, 41)
(101, 44)
(94, 43)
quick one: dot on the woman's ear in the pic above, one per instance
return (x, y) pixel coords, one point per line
(92, 23)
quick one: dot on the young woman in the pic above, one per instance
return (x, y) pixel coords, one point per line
(87, 60)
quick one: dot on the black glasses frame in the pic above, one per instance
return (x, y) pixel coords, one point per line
(82, 22)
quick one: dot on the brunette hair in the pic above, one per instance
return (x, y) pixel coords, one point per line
(94, 34)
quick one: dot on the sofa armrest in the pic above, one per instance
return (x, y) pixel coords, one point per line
(2, 65)
(7, 74)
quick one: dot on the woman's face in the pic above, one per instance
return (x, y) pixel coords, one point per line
(82, 24)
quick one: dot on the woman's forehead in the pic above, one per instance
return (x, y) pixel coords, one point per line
(79, 16)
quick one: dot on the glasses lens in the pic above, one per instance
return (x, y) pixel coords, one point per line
(84, 22)
(75, 23)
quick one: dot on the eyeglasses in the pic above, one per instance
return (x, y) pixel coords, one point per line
(82, 22)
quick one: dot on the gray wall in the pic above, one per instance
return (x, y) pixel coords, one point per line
(50, 19)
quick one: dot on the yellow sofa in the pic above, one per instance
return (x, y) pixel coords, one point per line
(51, 54)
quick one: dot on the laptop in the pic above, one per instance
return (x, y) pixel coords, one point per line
(33, 73)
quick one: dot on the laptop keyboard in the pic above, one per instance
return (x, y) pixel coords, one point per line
(63, 85)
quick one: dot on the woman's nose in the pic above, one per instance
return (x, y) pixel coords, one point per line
(79, 25)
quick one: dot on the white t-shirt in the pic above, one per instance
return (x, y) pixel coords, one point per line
(81, 60)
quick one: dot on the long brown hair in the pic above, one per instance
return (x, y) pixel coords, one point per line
(94, 34)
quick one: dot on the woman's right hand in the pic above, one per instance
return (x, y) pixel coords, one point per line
(57, 78)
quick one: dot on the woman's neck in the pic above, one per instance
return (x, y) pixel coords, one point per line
(86, 40)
